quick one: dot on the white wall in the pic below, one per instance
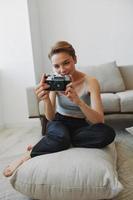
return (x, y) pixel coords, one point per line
(1, 118)
(16, 62)
(100, 30)
(37, 44)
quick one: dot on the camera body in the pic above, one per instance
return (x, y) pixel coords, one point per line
(57, 82)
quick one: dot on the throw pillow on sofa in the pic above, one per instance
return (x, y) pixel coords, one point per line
(76, 173)
(108, 75)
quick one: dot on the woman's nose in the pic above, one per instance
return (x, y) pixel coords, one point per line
(62, 70)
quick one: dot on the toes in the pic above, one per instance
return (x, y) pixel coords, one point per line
(7, 172)
(29, 148)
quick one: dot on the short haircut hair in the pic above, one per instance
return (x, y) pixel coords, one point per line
(62, 46)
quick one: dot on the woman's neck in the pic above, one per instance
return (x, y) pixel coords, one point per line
(77, 76)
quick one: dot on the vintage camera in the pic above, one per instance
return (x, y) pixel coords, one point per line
(57, 83)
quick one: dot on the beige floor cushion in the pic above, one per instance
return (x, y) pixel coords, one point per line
(73, 174)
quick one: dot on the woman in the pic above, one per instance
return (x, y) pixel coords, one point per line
(75, 116)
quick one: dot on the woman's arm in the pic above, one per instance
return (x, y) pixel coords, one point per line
(48, 97)
(94, 113)
(49, 105)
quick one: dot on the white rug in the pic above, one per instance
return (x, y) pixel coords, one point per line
(130, 130)
(124, 145)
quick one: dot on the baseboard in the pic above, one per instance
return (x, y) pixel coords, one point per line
(27, 124)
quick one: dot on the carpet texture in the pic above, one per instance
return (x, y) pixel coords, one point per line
(124, 146)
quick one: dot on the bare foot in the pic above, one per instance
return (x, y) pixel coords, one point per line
(10, 169)
(30, 147)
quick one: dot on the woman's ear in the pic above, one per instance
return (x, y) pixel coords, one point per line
(75, 60)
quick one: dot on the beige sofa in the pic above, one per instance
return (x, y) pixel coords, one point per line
(116, 84)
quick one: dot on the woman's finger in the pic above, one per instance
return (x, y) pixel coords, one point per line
(42, 87)
(42, 94)
(42, 79)
(69, 85)
(70, 88)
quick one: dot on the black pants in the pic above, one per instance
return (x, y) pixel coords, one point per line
(64, 131)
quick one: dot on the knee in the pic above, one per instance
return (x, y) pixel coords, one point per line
(107, 135)
(109, 132)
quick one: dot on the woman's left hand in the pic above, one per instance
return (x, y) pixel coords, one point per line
(71, 93)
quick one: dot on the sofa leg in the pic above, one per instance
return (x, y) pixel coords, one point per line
(43, 124)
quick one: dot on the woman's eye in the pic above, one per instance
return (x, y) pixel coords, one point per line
(56, 66)
(66, 63)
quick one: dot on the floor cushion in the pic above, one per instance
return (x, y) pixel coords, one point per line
(76, 173)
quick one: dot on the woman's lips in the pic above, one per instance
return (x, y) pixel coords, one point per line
(64, 74)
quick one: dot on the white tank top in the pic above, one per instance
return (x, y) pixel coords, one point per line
(66, 107)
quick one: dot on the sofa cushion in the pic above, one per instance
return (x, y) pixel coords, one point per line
(76, 173)
(126, 100)
(111, 102)
(108, 75)
(127, 74)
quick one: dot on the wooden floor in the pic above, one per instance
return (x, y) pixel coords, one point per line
(14, 141)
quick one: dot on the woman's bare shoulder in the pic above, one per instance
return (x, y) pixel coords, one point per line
(91, 79)
(92, 82)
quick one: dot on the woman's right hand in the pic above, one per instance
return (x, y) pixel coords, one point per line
(41, 90)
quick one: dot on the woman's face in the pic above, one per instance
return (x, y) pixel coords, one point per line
(63, 63)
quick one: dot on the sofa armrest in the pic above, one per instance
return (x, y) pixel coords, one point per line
(36, 108)
(33, 103)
